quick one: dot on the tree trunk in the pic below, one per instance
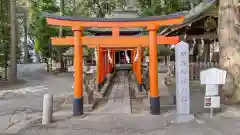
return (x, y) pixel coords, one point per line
(191, 4)
(51, 64)
(47, 63)
(74, 6)
(61, 14)
(26, 60)
(228, 33)
(13, 61)
(62, 68)
(206, 52)
(61, 60)
(152, 3)
(5, 62)
(38, 58)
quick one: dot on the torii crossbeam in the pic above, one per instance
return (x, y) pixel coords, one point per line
(108, 42)
(151, 23)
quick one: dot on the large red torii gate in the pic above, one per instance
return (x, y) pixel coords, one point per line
(116, 41)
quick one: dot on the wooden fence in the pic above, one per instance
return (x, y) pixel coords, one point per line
(195, 68)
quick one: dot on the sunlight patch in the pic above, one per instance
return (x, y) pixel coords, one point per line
(23, 91)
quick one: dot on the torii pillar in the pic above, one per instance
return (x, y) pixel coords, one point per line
(153, 70)
(78, 69)
(138, 69)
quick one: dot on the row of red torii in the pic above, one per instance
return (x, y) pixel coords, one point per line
(136, 43)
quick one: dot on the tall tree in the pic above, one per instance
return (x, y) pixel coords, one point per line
(61, 14)
(228, 33)
(26, 53)
(40, 30)
(97, 8)
(60, 49)
(4, 35)
(159, 7)
(13, 61)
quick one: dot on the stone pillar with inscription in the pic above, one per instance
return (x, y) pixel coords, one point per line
(182, 82)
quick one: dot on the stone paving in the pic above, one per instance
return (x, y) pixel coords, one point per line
(119, 99)
(115, 119)
(145, 124)
(120, 122)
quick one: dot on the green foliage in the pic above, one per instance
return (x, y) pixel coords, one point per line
(160, 7)
(94, 8)
(97, 8)
(146, 52)
(40, 30)
(163, 50)
(4, 32)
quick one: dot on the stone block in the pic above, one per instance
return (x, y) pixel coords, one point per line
(88, 97)
(88, 107)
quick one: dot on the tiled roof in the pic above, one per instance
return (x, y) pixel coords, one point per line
(193, 15)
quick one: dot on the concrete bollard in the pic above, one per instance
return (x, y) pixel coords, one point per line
(47, 108)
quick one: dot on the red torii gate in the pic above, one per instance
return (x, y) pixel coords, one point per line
(108, 42)
(115, 41)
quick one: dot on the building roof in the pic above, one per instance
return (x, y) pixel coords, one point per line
(197, 13)
(119, 13)
(140, 19)
(129, 13)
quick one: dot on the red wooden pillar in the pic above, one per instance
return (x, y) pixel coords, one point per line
(115, 33)
(104, 65)
(138, 69)
(100, 67)
(114, 60)
(78, 73)
(131, 57)
(112, 53)
(109, 63)
(134, 62)
(142, 54)
(153, 71)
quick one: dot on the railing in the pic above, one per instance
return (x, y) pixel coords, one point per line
(194, 69)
